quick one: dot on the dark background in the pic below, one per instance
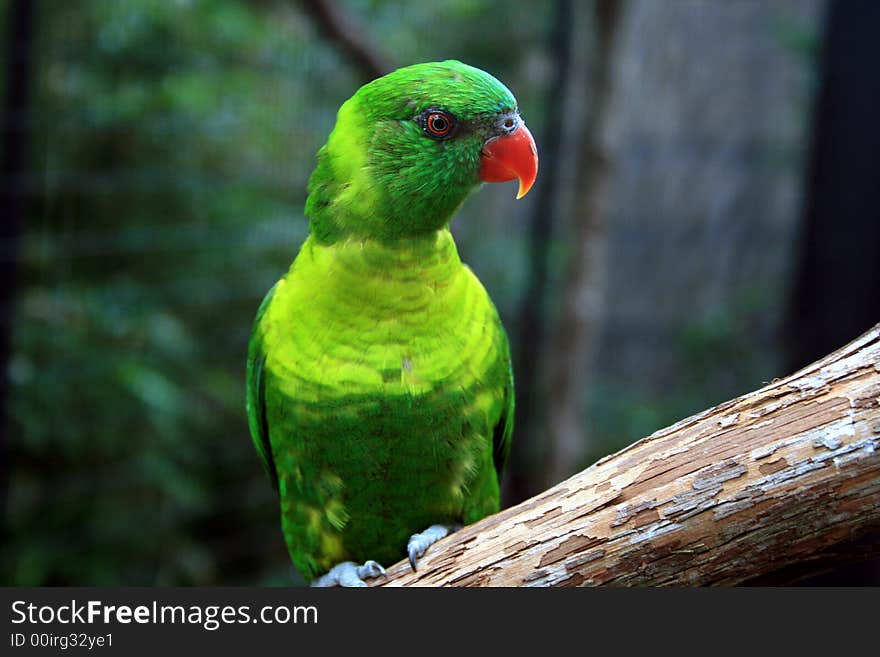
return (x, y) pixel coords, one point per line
(705, 219)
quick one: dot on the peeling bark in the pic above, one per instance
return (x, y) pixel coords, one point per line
(769, 481)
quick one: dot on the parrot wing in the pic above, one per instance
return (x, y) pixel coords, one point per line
(256, 399)
(503, 432)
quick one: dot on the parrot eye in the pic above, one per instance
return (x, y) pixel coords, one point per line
(508, 123)
(438, 124)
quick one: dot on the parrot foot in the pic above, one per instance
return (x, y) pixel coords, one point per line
(419, 543)
(348, 573)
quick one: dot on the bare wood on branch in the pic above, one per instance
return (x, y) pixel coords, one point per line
(776, 478)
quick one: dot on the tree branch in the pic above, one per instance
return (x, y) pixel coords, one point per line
(756, 485)
(338, 28)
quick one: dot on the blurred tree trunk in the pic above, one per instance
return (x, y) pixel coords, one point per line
(837, 288)
(574, 338)
(550, 363)
(523, 478)
(20, 20)
(707, 129)
(681, 204)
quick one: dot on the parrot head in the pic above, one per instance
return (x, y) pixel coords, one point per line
(408, 148)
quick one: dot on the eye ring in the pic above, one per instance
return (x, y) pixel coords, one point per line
(438, 124)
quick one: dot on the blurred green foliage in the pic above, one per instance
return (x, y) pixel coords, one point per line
(171, 146)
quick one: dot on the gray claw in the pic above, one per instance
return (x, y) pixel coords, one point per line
(419, 543)
(349, 574)
(370, 570)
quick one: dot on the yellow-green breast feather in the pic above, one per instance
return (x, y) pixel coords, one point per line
(385, 385)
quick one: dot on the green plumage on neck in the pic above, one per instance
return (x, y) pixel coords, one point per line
(379, 387)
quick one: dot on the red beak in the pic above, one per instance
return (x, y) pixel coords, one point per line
(511, 157)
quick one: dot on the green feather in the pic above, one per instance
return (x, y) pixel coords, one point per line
(379, 177)
(256, 408)
(380, 390)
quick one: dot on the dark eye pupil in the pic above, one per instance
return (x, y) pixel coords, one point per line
(437, 124)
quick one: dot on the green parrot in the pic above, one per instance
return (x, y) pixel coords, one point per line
(379, 382)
